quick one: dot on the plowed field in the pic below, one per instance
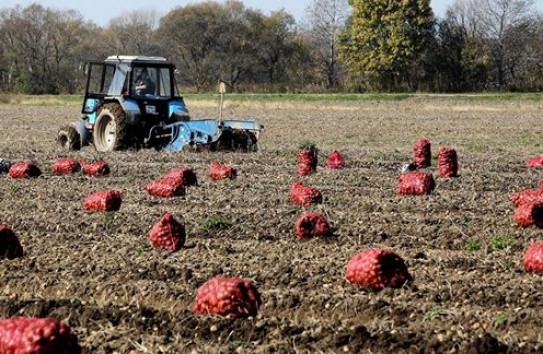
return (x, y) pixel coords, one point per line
(98, 273)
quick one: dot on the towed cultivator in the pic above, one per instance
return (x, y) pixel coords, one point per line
(132, 101)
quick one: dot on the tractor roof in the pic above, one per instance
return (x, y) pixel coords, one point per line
(136, 59)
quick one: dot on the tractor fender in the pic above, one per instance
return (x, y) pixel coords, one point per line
(132, 111)
(177, 111)
(84, 133)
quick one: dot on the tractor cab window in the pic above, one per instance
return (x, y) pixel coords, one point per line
(153, 81)
(100, 78)
(144, 81)
(118, 84)
(165, 83)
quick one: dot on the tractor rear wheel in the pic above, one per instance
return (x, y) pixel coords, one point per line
(110, 129)
(68, 138)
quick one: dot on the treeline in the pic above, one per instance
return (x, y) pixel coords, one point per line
(342, 45)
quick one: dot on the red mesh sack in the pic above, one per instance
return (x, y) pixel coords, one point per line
(167, 234)
(222, 296)
(65, 166)
(307, 162)
(187, 176)
(335, 160)
(447, 163)
(533, 258)
(529, 214)
(312, 224)
(377, 268)
(535, 162)
(422, 153)
(25, 335)
(304, 195)
(527, 196)
(24, 170)
(10, 247)
(415, 183)
(97, 168)
(166, 187)
(109, 200)
(219, 171)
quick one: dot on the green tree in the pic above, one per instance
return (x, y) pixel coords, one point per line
(94, 43)
(211, 41)
(189, 34)
(384, 40)
(497, 40)
(38, 48)
(234, 57)
(505, 26)
(133, 33)
(458, 60)
(277, 46)
(532, 72)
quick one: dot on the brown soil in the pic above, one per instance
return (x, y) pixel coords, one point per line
(98, 273)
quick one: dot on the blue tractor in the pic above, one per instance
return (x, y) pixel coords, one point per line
(132, 101)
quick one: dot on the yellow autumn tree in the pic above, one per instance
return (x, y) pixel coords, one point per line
(385, 38)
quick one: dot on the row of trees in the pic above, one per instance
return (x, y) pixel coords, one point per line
(354, 45)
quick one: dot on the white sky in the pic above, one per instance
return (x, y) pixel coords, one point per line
(101, 11)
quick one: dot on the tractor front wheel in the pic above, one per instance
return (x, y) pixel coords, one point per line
(110, 128)
(68, 138)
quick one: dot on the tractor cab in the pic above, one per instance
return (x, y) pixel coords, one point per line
(147, 82)
(124, 75)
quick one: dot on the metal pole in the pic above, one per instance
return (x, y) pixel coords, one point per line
(222, 90)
